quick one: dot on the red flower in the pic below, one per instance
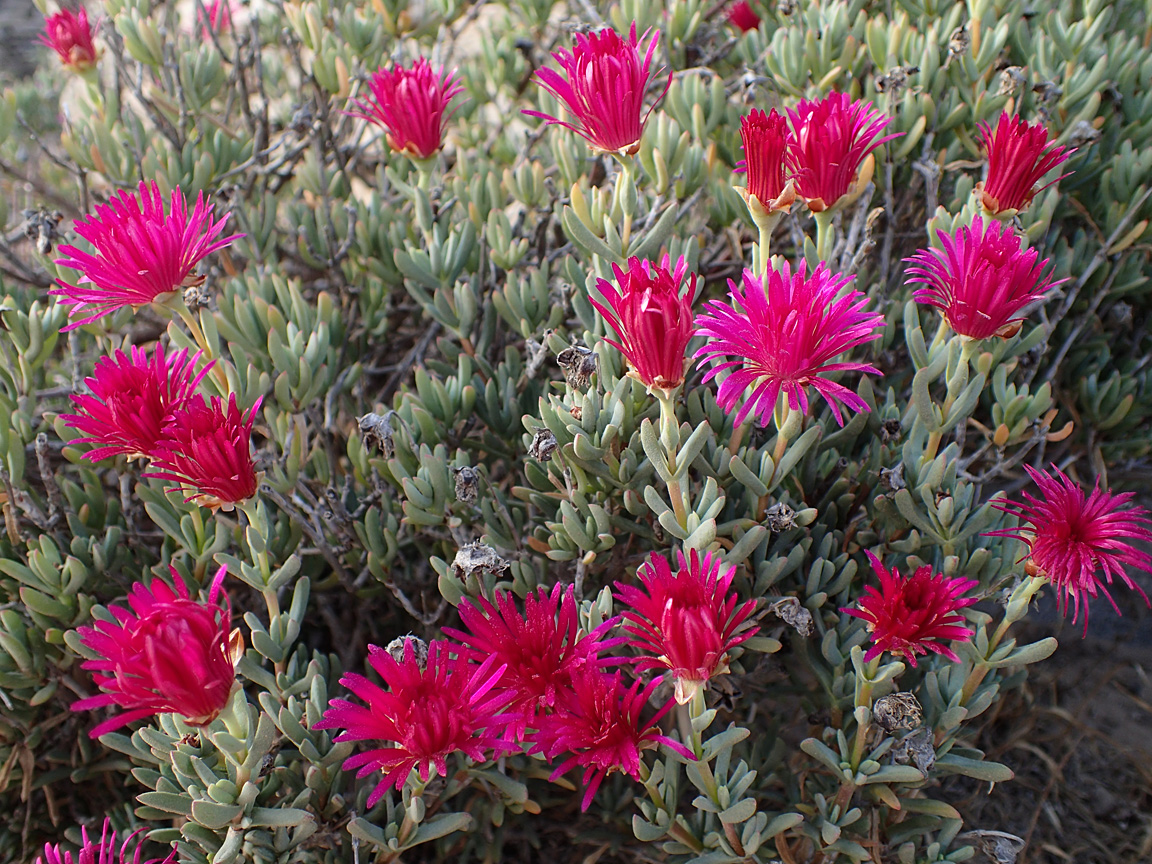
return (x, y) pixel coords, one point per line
(133, 399)
(599, 727)
(766, 141)
(412, 104)
(910, 615)
(604, 89)
(142, 254)
(980, 280)
(688, 620)
(1019, 155)
(168, 654)
(1079, 542)
(785, 339)
(429, 711)
(207, 448)
(652, 319)
(102, 851)
(831, 142)
(741, 15)
(541, 649)
(69, 34)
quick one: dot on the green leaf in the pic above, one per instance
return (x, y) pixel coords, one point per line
(440, 826)
(169, 802)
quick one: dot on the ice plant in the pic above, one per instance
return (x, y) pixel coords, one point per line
(598, 727)
(785, 332)
(142, 254)
(603, 88)
(215, 17)
(106, 850)
(766, 139)
(1079, 542)
(133, 398)
(541, 648)
(980, 280)
(687, 621)
(911, 615)
(832, 143)
(429, 711)
(652, 317)
(206, 449)
(741, 14)
(1019, 155)
(166, 653)
(412, 104)
(69, 34)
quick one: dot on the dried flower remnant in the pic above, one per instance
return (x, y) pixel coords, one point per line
(831, 148)
(134, 397)
(918, 748)
(412, 104)
(785, 336)
(981, 280)
(1019, 155)
(543, 445)
(207, 450)
(766, 140)
(69, 34)
(912, 615)
(422, 714)
(578, 364)
(477, 558)
(779, 517)
(598, 726)
(789, 610)
(687, 622)
(1079, 542)
(106, 850)
(377, 432)
(898, 711)
(603, 88)
(652, 318)
(142, 254)
(168, 653)
(467, 484)
(742, 15)
(398, 646)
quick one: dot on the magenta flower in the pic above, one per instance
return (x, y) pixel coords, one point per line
(910, 615)
(1079, 542)
(169, 653)
(599, 727)
(980, 280)
(604, 89)
(743, 16)
(687, 622)
(102, 851)
(133, 399)
(832, 140)
(1019, 155)
(142, 254)
(652, 319)
(785, 336)
(541, 649)
(766, 141)
(206, 448)
(215, 17)
(69, 34)
(412, 104)
(428, 711)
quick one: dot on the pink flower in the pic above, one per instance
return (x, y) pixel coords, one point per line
(168, 654)
(133, 399)
(604, 89)
(687, 621)
(785, 336)
(910, 615)
(741, 15)
(427, 712)
(980, 280)
(542, 649)
(217, 19)
(69, 34)
(1079, 542)
(412, 104)
(831, 141)
(207, 448)
(600, 729)
(652, 319)
(102, 851)
(766, 140)
(142, 254)
(1019, 155)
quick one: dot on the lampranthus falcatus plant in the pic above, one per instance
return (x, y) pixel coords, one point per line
(604, 413)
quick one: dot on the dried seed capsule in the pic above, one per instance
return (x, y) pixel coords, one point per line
(396, 647)
(378, 432)
(789, 610)
(917, 748)
(893, 478)
(578, 364)
(779, 517)
(467, 484)
(890, 429)
(543, 445)
(898, 711)
(477, 558)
